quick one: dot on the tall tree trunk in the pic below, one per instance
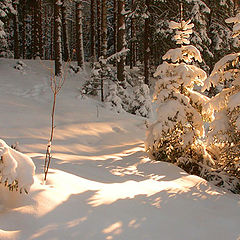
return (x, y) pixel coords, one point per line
(79, 35)
(16, 31)
(57, 38)
(52, 34)
(146, 43)
(93, 32)
(66, 55)
(37, 25)
(99, 44)
(45, 38)
(24, 47)
(133, 42)
(115, 10)
(120, 40)
(104, 29)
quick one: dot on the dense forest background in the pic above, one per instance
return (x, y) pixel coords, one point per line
(136, 31)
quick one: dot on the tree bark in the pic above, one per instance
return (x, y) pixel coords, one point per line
(133, 42)
(146, 44)
(120, 40)
(93, 32)
(99, 44)
(104, 29)
(57, 38)
(24, 47)
(66, 55)
(37, 25)
(79, 35)
(16, 31)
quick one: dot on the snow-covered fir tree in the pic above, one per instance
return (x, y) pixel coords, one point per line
(101, 75)
(142, 104)
(113, 101)
(6, 9)
(175, 134)
(224, 134)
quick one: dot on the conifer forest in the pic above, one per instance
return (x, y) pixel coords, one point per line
(120, 119)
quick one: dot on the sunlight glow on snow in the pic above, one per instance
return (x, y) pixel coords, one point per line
(115, 228)
(9, 235)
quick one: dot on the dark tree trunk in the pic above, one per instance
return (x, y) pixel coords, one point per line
(66, 55)
(37, 25)
(104, 29)
(120, 40)
(79, 35)
(133, 42)
(147, 44)
(24, 47)
(99, 44)
(115, 10)
(57, 38)
(45, 37)
(16, 31)
(115, 26)
(93, 32)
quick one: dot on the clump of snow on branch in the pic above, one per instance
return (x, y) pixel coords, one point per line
(16, 169)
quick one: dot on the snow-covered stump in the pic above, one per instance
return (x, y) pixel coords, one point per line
(16, 169)
(176, 133)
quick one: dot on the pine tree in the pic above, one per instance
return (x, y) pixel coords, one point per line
(224, 134)
(174, 136)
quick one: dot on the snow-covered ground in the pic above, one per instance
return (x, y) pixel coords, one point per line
(101, 184)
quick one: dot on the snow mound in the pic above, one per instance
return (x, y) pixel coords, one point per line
(17, 169)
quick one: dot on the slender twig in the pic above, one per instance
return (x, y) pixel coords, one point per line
(56, 85)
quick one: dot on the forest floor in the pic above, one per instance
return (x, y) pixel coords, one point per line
(101, 185)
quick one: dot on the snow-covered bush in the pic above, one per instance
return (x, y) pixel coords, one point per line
(131, 96)
(175, 135)
(20, 65)
(224, 135)
(16, 169)
(141, 104)
(101, 74)
(113, 101)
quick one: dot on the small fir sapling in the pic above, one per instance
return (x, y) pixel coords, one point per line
(175, 135)
(142, 103)
(113, 101)
(224, 135)
(100, 75)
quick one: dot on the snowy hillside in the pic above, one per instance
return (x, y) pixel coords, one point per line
(101, 184)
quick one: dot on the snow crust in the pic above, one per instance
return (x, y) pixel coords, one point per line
(101, 185)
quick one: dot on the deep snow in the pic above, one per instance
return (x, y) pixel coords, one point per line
(101, 184)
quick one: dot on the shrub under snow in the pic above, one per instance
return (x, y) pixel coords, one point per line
(224, 135)
(16, 169)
